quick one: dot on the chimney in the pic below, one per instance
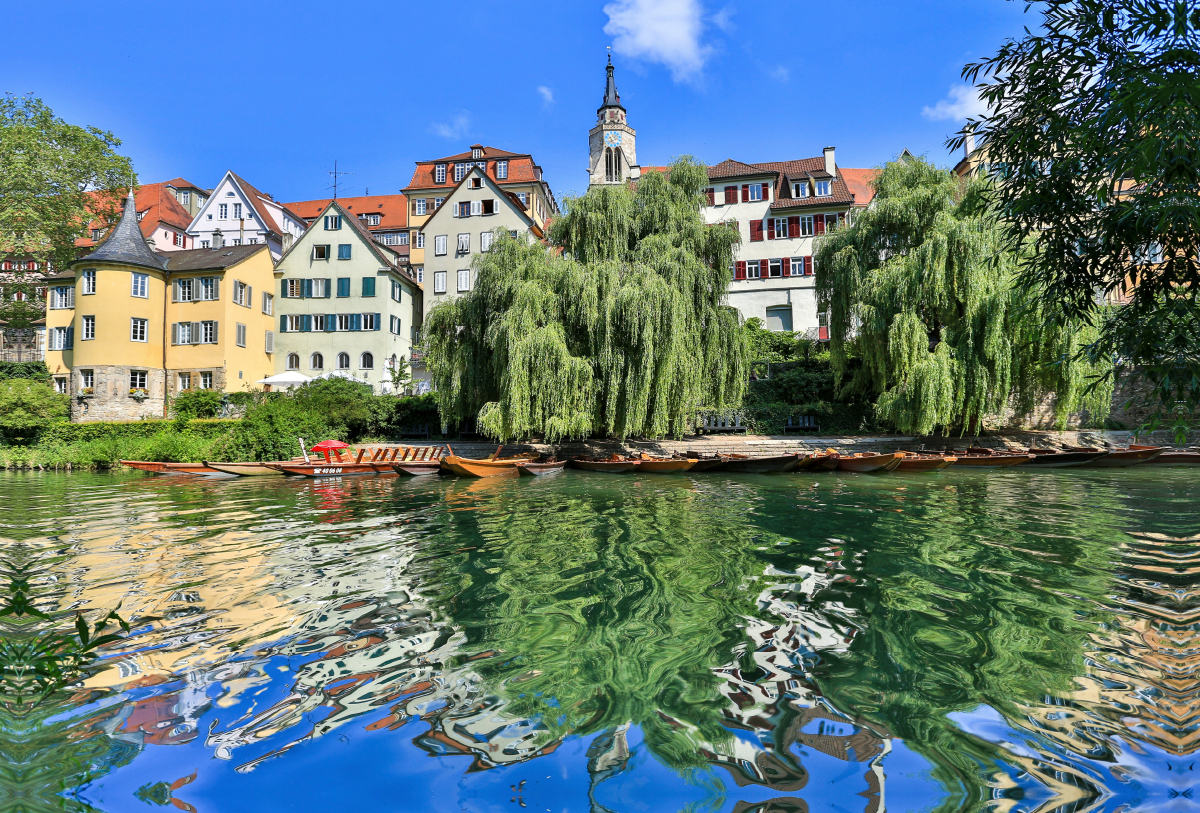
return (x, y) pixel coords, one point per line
(830, 166)
(969, 139)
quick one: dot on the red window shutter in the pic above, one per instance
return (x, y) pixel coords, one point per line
(756, 231)
(766, 191)
(711, 195)
(794, 226)
(841, 218)
(808, 265)
(745, 192)
(739, 269)
(819, 223)
(731, 194)
(770, 228)
(787, 266)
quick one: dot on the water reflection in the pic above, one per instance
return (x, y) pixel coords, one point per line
(1026, 642)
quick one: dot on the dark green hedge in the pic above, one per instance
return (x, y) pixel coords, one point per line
(82, 432)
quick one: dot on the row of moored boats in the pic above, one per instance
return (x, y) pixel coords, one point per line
(335, 459)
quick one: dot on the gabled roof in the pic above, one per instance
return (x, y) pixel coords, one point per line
(258, 201)
(155, 204)
(732, 169)
(861, 183)
(521, 169)
(393, 209)
(183, 183)
(207, 259)
(385, 254)
(125, 244)
(495, 187)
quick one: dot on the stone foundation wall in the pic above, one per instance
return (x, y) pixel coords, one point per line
(110, 400)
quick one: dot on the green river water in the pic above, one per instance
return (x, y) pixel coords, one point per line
(1007, 640)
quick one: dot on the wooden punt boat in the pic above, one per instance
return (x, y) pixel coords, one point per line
(922, 463)
(823, 461)
(322, 468)
(532, 469)
(705, 463)
(615, 465)
(464, 467)
(1189, 457)
(418, 457)
(1050, 459)
(665, 465)
(250, 469)
(417, 468)
(868, 462)
(156, 467)
(1119, 458)
(985, 458)
(745, 464)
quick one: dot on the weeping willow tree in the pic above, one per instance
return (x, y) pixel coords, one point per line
(619, 328)
(923, 288)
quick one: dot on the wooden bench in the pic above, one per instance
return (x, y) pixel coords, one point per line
(801, 423)
(420, 430)
(730, 424)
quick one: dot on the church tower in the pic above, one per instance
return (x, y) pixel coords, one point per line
(612, 142)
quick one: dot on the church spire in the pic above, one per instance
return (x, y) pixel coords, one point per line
(126, 243)
(611, 97)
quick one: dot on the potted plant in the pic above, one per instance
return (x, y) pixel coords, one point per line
(138, 394)
(85, 392)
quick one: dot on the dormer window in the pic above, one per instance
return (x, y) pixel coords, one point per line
(459, 171)
(439, 174)
(373, 220)
(501, 170)
(823, 189)
(476, 153)
(800, 189)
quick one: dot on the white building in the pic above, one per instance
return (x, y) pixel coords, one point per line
(238, 214)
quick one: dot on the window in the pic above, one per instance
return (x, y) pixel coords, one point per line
(344, 251)
(137, 330)
(462, 209)
(223, 211)
(460, 170)
(806, 225)
(320, 252)
(343, 322)
(397, 291)
(464, 244)
(96, 235)
(343, 361)
(319, 289)
(333, 222)
(419, 206)
(185, 290)
(87, 379)
(437, 203)
(439, 174)
(752, 269)
(318, 322)
(402, 238)
(775, 268)
(241, 293)
(137, 380)
(368, 286)
(206, 380)
(60, 338)
(477, 183)
(89, 328)
(488, 207)
(237, 211)
(293, 323)
(501, 170)
(208, 332)
(88, 281)
(293, 288)
(464, 279)
(781, 228)
(316, 362)
(184, 197)
(235, 242)
(269, 341)
(439, 244)
(373, 220)
(177, 238)
(293, 361)
(182, 333)
(485, 240)
(240, 338)
(62, 297)
(210, 289)
(779, 317)
(439, 282)
(421, 275)
(394, 325)
(268, 303)
(800, 189)
(370, 321)
(420, 240)
(524, 198)
(60, 385)
(140, 286)
(755, 191)
(366, 362)
(343, 287)
(389, 239)
(185, 381)
(203, 244)
(823, 189)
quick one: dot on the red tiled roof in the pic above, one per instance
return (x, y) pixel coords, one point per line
(521, 169)
(183, 183)
(393, 209)
(156, 204)
(861, 183)
(785, 172)
(730, 169)
(256, 200)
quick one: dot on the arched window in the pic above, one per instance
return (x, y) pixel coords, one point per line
(616, 165)
(343, 361)
(608, 164)
(367, 362)
(317, 362)
(293, 361)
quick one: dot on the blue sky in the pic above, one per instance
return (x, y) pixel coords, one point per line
(277, 91)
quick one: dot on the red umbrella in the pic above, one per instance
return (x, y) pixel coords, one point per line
(326, 446)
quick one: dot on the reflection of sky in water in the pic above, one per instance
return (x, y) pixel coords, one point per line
(383, 699)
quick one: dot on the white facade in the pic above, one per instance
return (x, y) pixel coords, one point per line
(238, 214)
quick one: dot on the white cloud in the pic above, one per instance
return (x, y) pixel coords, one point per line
(962, 103)
(547, 94)
(456, 128)
(665, 31)
(723, 19)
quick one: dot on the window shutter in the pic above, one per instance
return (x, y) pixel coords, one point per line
(283, 324)
(819, 224)
(70, 339)
(327, 291)
(215, 340)
(711, 195)
(356, 321)
(307, 288)
(745, 192)
(174, 296)
(766, 191)
(731, 194)
(330, 322)
(756, 231)
(787, 266)
(306, 323)
(174, 333)
(283, 288)
(378, 320)
(249, 302)
(739, 269)
(217, 289)
(770, 228)
(808, 265)
(71, 297)
(195, 333)
(794, 225)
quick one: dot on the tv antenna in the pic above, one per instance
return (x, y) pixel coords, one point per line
(336, 175)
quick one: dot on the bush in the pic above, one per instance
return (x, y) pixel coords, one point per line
(269, 430)
(32, 370)
(805, 387)
(28, 407)
(197, 403)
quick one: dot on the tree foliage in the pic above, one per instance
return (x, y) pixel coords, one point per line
(1094, 132)
(625, 331)
(47, 169)
(27, 407)
(923, 289)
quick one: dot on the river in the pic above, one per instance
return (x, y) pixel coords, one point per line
(1006, 640)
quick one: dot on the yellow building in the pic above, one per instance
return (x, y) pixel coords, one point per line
(128, 328)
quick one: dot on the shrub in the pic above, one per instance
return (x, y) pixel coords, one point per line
(32, 370)
(27, 407)
(269, 429)
(197, 403)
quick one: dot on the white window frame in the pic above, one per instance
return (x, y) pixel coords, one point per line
(319, 284)
(439, 282)
(62, 297)
(138, 327)
(58, 338)
(88, 282)
(240, 334)
(208, 332)
(268, 303)
(824, 189)
(772, 265)
(222, 211)
(237, 211)
(88, 331)
(367, 321)
(464, 243)
(460, 171)
(139, 282)
(781, 221)
(420, 240)
(342, 323)
(439, 174)
(806, 226)
(320, 251)
(800, 189)
(464, 279)
(313, 359)
(136, 384)
(757, 269)
(206, 380)
(87, 379)
(501, 170)
(185, 290)
(485, 240)
(753, 190)
(439, 244)
(338, 361)
(420, 206)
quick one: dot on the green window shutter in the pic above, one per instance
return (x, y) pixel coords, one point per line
(283, 289)
(378, 320)
(307, 320)
(368, 287)
(356, 321)
(308, 288)
(330, 322)
(283, 324)
(343, 286)
(328, 293)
